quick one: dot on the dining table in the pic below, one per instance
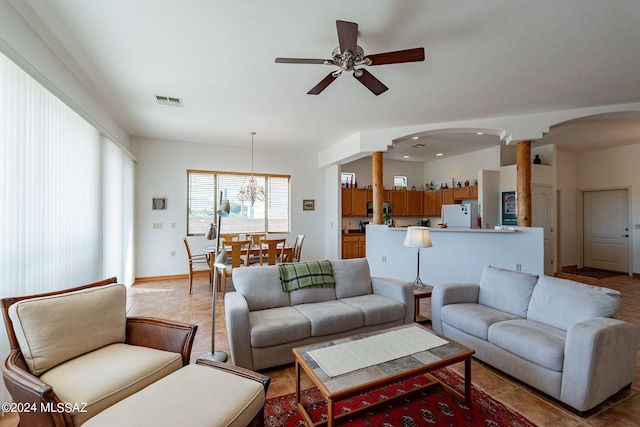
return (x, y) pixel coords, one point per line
(253, 250)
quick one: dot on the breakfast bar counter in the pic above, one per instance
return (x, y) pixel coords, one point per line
(457, 255)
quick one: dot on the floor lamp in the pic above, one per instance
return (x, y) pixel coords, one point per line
(219, 262)
(418, 237)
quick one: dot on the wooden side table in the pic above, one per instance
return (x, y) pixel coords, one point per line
(418, 294)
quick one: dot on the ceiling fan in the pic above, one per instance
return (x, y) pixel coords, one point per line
(348, 55)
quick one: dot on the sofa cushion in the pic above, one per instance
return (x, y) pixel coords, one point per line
(506, 290)
(331, 317)
(377, 309)
(107, 375)
(534, 341)
(278, 326)
(53, 329)
(261, 287)
(474, 319)
(308, 295)
(194, 396)
(553, 297)
(352, 277)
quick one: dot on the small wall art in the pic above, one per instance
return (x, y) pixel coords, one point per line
(308, 205)
(159, 203)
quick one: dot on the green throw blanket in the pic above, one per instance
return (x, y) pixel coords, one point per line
(297, 275)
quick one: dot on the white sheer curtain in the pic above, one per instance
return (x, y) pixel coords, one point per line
(118, 213)
(66, 196)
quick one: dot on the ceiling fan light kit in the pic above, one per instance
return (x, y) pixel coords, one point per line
(348, 55)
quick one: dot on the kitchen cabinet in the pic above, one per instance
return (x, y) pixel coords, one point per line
(414, 203)
(447, 196)
(359, 202)
(347, 196)
(461, 193)
(465, 193)
(354, 245)
(473, 192)
(432, 203)
(354, 202)
(398, 202)
(437, 203)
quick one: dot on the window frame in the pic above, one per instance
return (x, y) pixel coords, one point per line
(198, 228)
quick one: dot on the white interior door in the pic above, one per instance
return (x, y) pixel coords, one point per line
(606, 229)
(542, 216)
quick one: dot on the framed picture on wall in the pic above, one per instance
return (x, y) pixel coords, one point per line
(509, 208)
(308, 205)
(159, 203)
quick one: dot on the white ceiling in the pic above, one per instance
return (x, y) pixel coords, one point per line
(485, 58)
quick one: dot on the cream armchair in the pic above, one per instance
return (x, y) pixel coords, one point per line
(77, 359)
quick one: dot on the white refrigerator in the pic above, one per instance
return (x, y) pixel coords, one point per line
(462, 215)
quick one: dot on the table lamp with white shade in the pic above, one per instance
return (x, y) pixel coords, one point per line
(418, 237)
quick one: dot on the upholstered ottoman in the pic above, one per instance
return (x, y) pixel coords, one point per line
(205, 394)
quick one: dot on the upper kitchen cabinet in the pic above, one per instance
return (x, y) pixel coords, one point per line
(414, 203)
(398, 199)
(354, 201)
(465, 193)
(432, 203)
(447, 196)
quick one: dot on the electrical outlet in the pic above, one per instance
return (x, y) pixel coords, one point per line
(173, 225)
(384, 259)
(173, 253)
(518, 267)
(636, 226)
(157, 225)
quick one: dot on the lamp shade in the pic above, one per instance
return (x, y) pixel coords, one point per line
(211, 232)
(418, 237)
(224, 208)
(221, 259)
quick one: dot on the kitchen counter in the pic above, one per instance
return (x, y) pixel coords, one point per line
(460, 230)
(457, 255)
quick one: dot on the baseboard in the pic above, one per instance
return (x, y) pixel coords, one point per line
(156, 278)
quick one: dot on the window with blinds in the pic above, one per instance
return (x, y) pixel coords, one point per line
(208, 188)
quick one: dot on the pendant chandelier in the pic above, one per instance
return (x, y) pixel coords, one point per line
(251, 190)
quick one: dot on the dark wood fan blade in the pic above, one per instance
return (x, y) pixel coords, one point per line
(373, 84)
(398, 56)
(300, 61)
(347, 36)
(322, 85)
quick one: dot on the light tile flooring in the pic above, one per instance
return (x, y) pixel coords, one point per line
(170, 299)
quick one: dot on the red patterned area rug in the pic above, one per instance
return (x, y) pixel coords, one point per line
(434, 407)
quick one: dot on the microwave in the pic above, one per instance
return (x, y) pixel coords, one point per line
(386, 209)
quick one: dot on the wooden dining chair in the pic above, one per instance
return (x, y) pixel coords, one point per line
(297, 249)
(272, 251)
(197, 263)
(256, 237)
(228, 237)
(234, 260)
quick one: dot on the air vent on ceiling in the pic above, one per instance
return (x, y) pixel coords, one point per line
(418, 145)
(169, 101)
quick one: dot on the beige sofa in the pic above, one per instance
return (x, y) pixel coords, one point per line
(264, 322)
(77, 359)
(559, 336)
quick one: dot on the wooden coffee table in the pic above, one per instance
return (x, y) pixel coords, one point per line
(353, 383)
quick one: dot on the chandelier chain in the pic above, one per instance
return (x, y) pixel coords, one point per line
(251, 191)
